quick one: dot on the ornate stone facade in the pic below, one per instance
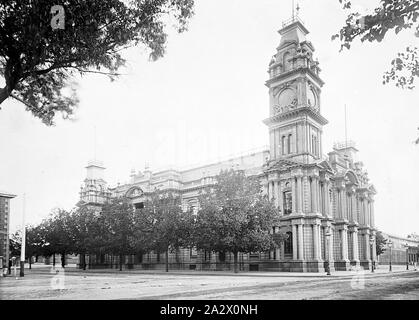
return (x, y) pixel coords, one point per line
(326, 203)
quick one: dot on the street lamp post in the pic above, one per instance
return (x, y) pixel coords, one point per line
(23, 245)
(328, 235)
(372, 251)
(407, 255)
(390, 245)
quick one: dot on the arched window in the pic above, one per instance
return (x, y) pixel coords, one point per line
(288, 243)
(287, 197)
(290, 143)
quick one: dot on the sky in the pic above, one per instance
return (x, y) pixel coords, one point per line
(206, 100)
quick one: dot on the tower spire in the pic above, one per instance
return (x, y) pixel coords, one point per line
(293, 13)
(94, 142)
(346, 128)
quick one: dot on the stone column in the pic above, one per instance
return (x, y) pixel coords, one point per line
(299, 195)
(268, 188)
(294, 243)
(330, 247)
(374, 249)
(367, 246)
(294, 195)
(327, 199)
(265, 188)
(316, 241)
(306, 182)
(365, 211)
(361, 211)
(344, 243)
(280, 198)
(372, 215)
(316, 194)
(312, 197)
(338, 203)
(355, 248)
(343, 203)
(300, 242)
(276, 193)
(353, 208)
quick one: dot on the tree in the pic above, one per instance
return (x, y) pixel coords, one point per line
(44, 44)
(163, 224)
(236, 217)
(389, 15)
(33, 244)
(380, 243)
(57, 235)
(15, 244)
(118, 227)
(88, 229)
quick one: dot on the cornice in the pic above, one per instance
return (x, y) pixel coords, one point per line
(303, 70)
(302, 111)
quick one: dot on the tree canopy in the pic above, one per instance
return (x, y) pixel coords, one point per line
(380, 243)
(236, 217)
(389, 15)
(164, 225)
(44, 44)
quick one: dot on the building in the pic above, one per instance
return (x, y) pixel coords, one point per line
(4, 227)
(326, 203)
(403, 250)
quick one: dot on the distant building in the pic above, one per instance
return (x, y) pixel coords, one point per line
(404, 249)
(4, 227)
(326, 203)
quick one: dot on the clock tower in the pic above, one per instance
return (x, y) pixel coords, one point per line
(295, 121)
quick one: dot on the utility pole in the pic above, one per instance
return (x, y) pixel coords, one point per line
(22, 249)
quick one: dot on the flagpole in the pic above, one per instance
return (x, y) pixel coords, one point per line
(22, 251)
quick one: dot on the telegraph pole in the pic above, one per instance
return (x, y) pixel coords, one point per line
(22, 250)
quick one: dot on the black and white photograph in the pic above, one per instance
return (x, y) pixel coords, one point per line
(226, 152)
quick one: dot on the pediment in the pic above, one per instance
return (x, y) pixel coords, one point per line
(326, 165)
(283, 165)
(134, 192)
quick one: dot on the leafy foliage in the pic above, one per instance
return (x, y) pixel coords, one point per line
(163, 224)
(380, 243)
(235, 217)
(38, 62)
(118, 224)
(394, 15)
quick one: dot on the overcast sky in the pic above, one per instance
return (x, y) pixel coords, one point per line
(206, 100)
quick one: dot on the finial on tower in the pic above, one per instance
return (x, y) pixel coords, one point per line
(298, 9)
(293, 13)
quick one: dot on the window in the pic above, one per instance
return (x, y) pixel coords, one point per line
(289, 143)
(193, 253)
(207, 255)
(139, 205)
(283, 144)
(287, 202)
(288, 243)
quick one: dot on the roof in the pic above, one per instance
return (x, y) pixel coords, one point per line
(7, 195)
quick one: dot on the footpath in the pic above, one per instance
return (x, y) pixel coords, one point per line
(72, 269)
